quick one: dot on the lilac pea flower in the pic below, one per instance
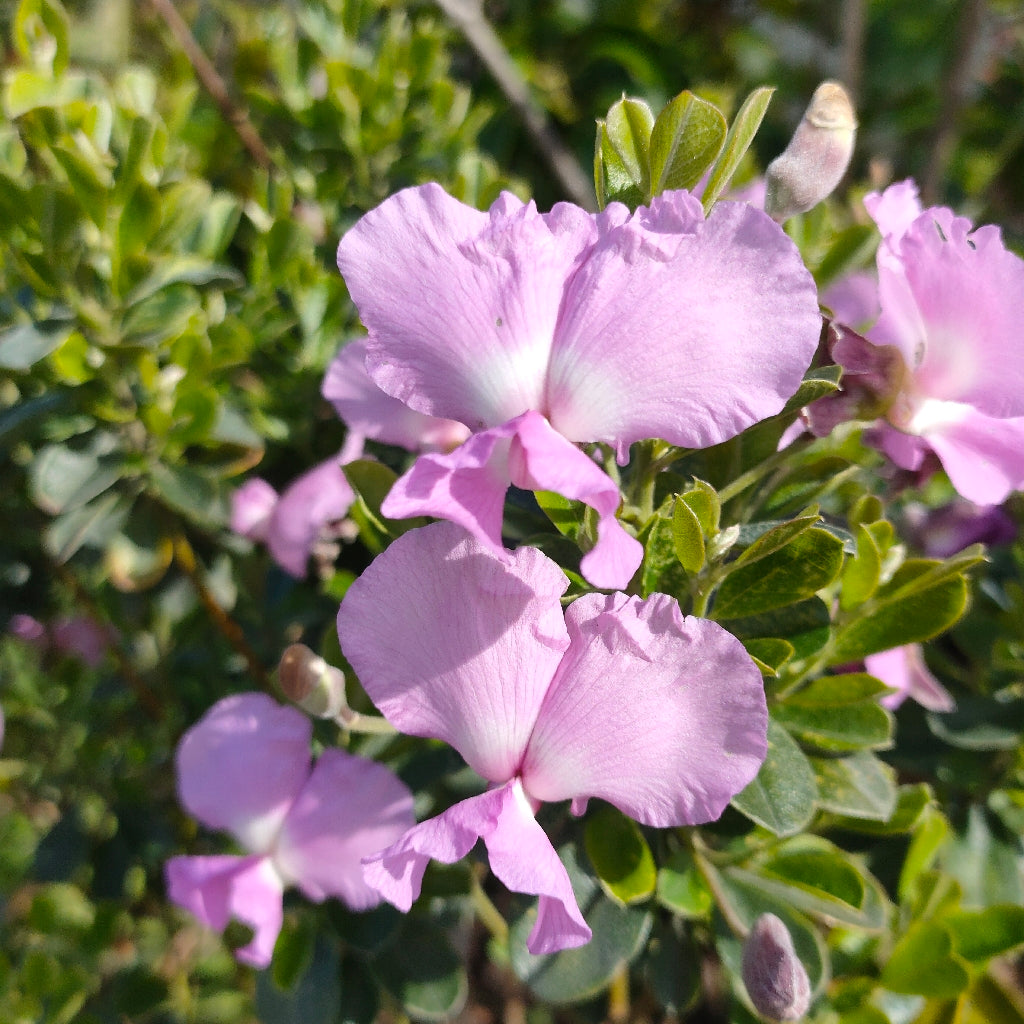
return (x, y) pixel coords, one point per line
(950, 298)
(291, 524)
(904, 669)
(376, 416)
(943, 532)
(542, 331)
(245, 768)
(618, 698)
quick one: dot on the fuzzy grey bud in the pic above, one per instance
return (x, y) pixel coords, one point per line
(817, 156)
(307, 680)
(776, 981)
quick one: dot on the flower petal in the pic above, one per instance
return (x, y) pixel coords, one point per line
(983, 455)
(680, 328)
(241, 766)
(520, 854)
(251, 506)
(368, 411)
(461, 306)
(451, 643)
(904, 669)
(662, 716)
(316, 498)
(349, 807)
(219, 889)
(466, 486)
(895, 209)
(540, 459)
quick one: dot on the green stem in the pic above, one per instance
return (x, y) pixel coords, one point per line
(354, 721)
(486, 910)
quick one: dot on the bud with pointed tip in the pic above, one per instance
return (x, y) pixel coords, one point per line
(776, 981)
(817, 156)
(307, 680)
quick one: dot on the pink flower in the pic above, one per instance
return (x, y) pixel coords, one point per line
(619, 698)
(376, 416)
(245, 768)
(951, 297)
(77, 636)
(903, 669)
(541, 331)
(291, 524)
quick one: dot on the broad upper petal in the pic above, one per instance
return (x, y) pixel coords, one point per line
(461, 305)
(680, 328)
(368, 411)
(241, 766)
(350, 807)
(520, 854)
(662, 716)
(540, 459)
(218, 889)
(450, 642)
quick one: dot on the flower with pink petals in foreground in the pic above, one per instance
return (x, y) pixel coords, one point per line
(618, 698)
(291, 524)
(951, 296)
(903, 669)
(245, 768)
(541, 331)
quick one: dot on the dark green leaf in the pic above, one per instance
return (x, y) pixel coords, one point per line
(807, 563)
(981, 724)
(862, 572)
(769, 653)
(314, 999)
(773, 537)
(422, 971)
(980, 935)
(838, 727)
(578, 974)
(782, 796)
(62, 479)
(188, 491)
(805, 626)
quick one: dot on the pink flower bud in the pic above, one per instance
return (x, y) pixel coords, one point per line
(776, 981)
(817, 156)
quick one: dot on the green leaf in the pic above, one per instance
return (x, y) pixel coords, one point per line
(741, 133)
(622, 159)
(92, 525)
(922, 599)
(769, 653)
(293, 951)
(62, 479)
(682, 888)
(862, 803)
(981, 723)
(23, 346)
(850, 249)
(35, 18)
(672, 968)
(703, 501)
(837, 727)
(314, 998)
(687, 537)
(422, 971)
(661, 570)
(805, 626)
(782, 796)
(924, 963)
(809, 562)
(929, 837)
(574, 975)
(859, 786)
(620, 855)
(190, 270)
(686, 138)
(774, 536)
(980, 935)
(198, 497)
(372, 481)
(565, 514)
(862, 572)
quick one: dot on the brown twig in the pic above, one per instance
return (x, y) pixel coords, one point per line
(232, 632)
(468, 17)
(213, 83)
